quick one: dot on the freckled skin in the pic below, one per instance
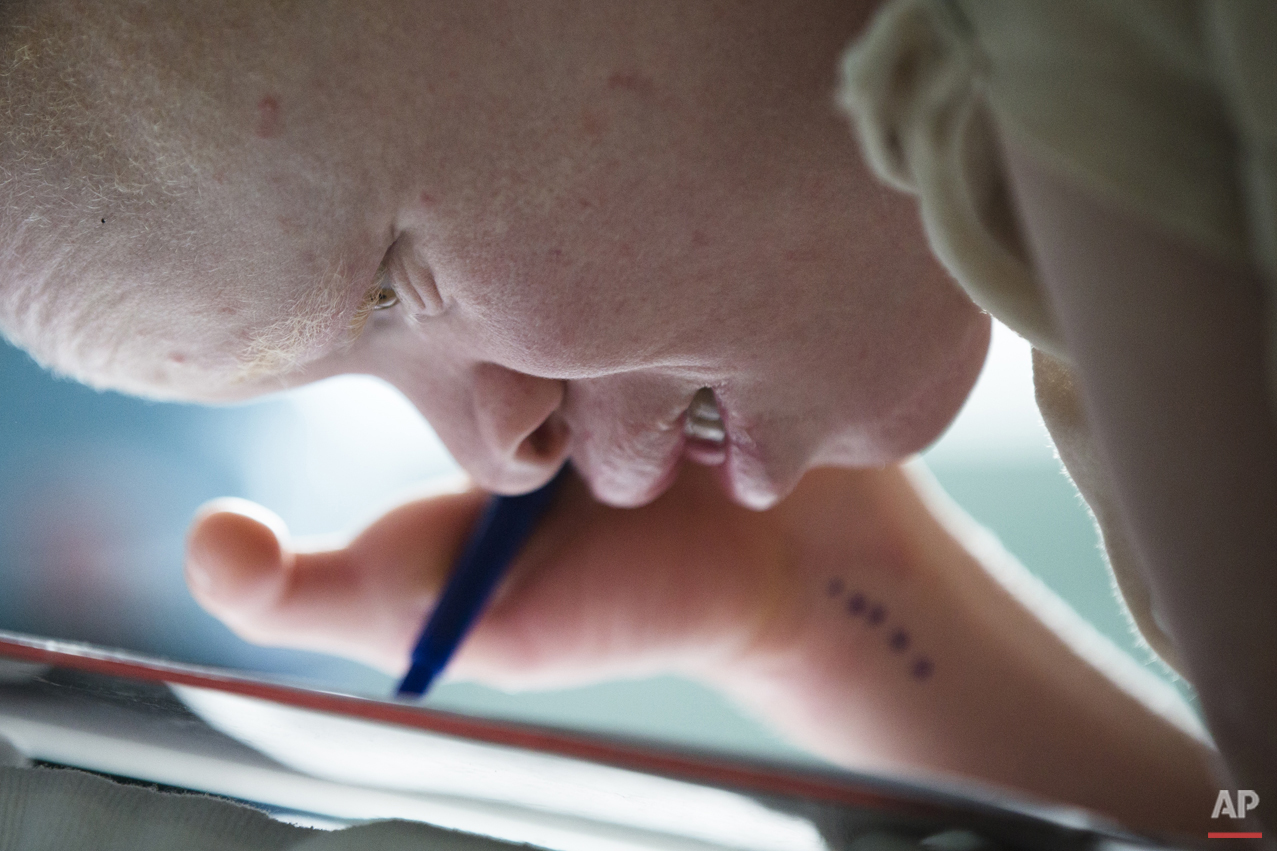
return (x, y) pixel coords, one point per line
(639, 84)
(593, 124)
(269, 124)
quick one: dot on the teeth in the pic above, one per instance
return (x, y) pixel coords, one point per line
(703, 420)
(704, 407)
(712, 432)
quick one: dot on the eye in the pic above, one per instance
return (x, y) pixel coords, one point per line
(404, 281)
(384, 297)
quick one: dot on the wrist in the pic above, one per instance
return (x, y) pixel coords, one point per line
(845, 541)
(913, 646)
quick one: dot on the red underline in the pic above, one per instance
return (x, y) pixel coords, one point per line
(1234, 836)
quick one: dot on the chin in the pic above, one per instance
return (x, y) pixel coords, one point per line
(914, 421)
(931, 411)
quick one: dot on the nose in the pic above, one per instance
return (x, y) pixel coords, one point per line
(520, 428)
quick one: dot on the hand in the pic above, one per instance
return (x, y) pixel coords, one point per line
(764, 605)
(690, 582)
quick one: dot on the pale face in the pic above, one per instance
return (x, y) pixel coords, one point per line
(584, 222)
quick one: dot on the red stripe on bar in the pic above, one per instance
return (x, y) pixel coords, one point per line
(709, 769)
(1234, 836)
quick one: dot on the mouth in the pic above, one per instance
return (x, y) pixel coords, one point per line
(742, 470)
(630, 480)
(705, 437)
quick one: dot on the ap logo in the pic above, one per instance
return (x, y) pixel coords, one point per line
(1247, 800)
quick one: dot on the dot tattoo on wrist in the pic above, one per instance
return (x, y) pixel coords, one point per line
(857, 605)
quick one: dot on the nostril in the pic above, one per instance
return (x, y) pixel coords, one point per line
(522, 434)
(546, 442)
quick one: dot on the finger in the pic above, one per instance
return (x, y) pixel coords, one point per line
(236, 557)
(687, 582)
(363, 601)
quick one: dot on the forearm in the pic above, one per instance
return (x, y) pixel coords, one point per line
(936, 660)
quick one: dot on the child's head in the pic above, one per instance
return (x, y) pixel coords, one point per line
(586, 216)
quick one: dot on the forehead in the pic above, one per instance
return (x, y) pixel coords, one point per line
(186, 290)
(158, 324)
(152, 237)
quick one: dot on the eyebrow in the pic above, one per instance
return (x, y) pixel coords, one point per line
(317, 324)
(359, 319)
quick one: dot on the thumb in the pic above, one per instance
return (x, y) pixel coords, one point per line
(237, 557)
(363, 601)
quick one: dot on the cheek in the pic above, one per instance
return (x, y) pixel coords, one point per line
(540, 301)
(559, 330)
(617, 410)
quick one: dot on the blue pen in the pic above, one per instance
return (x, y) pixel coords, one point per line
(503, 528)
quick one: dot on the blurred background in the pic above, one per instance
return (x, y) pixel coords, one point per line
(96, 490)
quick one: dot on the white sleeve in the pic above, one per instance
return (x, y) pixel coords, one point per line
(43, 809)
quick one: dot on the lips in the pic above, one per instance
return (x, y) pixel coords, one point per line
(642, 467)
(743, 473)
